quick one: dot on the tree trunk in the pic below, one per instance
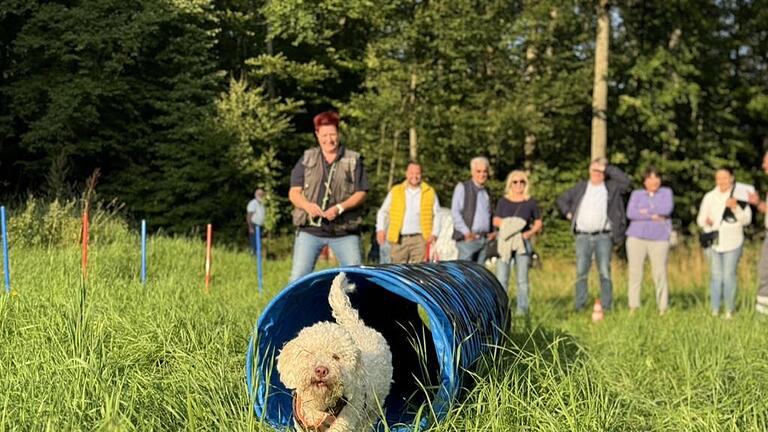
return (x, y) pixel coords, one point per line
(382, 142)
(672, 141)
(413, 149)
(271, 92)
(395, 137)
(529, 147)
(600, 89)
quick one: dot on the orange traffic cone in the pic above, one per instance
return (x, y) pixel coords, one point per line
(324, 252)
(597, 311)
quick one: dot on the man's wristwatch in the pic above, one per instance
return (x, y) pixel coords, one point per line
(340, 208)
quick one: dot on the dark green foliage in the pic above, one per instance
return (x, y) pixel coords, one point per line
(187, 105)
(129, 88)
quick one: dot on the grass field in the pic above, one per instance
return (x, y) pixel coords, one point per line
(115, 355)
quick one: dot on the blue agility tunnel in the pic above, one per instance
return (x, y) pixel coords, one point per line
(466, 310)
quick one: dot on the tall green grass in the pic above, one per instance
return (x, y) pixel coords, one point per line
(113, 354)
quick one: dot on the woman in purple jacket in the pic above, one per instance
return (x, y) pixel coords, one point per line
(649, 212)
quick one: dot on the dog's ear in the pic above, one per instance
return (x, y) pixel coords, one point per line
(285, 359)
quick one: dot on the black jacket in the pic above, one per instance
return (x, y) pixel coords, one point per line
(617, 183)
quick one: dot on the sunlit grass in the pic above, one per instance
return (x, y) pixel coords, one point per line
(113, 354)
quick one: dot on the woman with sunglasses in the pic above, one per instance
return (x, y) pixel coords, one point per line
(721, 212)
(649, 210)
(517, 205)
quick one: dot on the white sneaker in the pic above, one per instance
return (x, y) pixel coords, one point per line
(761, 308)
(762, 305)
(728, 315)
(715, 313)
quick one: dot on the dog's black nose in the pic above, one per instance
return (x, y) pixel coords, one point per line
(321, 371)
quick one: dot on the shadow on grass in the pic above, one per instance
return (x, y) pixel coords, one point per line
(689, 300)
(527, 339)
(528, 350)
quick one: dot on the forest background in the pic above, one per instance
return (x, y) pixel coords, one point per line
(185, 106)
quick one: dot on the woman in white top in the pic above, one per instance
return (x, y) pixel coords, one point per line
(721, 212)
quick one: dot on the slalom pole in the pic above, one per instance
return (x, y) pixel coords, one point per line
(258, 258)
(6, 267)
(143, 251)
(85, 243)
(209, 237)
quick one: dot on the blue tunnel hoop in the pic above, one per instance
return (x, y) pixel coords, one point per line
(467, 311)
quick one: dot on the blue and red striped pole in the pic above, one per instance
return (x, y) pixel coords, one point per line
(143, 251)
(208, 246)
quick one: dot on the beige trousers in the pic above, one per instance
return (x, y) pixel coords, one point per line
(410, 249)
(657, 252)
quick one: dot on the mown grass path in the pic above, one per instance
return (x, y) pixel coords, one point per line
(112, 354)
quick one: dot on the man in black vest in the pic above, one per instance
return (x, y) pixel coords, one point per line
(328, 187)
(471, 210)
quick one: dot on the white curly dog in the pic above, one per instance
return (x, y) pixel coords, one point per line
(340, 372)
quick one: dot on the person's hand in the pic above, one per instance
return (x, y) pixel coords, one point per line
(313, 209)
(569, 216)
(380, 237)
(527, 235)
(332, 213)
(469, 236)
(644, 212)
(731, 203)
(708, 221)
(251, 230)
(491, 235)
(432, 239)
(657, 217)
(754, 198)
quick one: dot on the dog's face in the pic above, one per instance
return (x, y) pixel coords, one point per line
(317, 363)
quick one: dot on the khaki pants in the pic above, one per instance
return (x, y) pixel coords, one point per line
(656, 251)
(410, 249)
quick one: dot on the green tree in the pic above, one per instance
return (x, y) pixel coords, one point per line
(682, 94)
(256, 124)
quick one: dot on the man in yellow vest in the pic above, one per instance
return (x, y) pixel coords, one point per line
(411, 207)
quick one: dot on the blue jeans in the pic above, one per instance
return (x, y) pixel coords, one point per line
(473, 250)
(503, 268)
(385, 253)
(722, 267)
(306, 249)
(601, 245)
